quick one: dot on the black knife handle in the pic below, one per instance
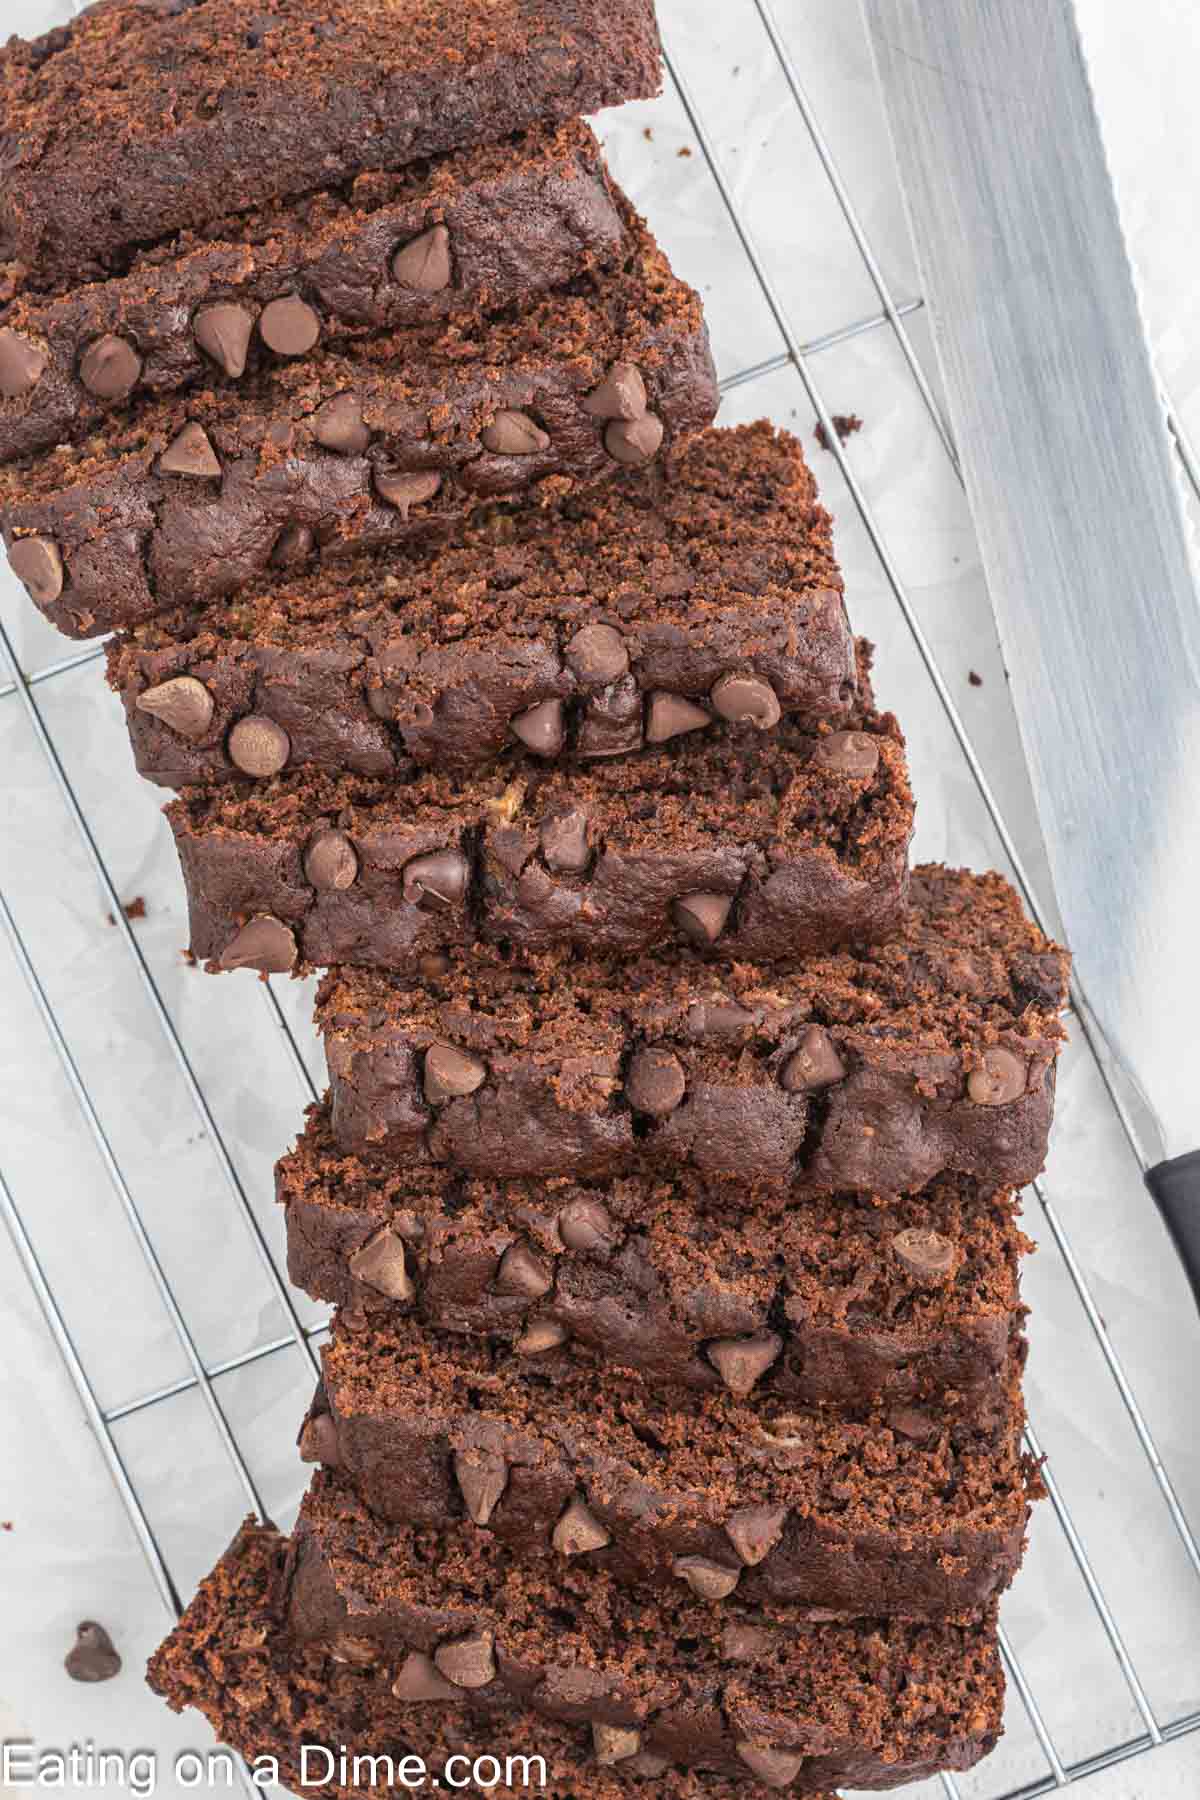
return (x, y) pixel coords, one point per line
(1176, 1188)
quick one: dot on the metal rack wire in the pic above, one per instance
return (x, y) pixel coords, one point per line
(204, 1379)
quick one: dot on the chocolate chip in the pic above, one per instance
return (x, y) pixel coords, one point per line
(816, 1064)
(926, 1254)
(541, 728)
(289, 326)
(190, 453)
(319, 1441)
(717, 1018)
(406, 488)
(515, 434)
(615, 1743)
(355, 1652)
(909, 1422)
(745, 700)
(776, 1768)
(597, 655)
(437, 882)
(264, 943)
(540, 1336)
(634, 441)
(621, 395)
(382, 1266)
(468, 1662)
(656, 1082)
(110, 368)
(331, 862)
(1000, 1080)
(702, 917)
(741, 1362)
(710, 1580)
(754, 1531)
(670, 715)
(419, 1679)
(258, 746)
(338, 425)
(586, 1225)
(22, 365)
(612, 723)
(482, 1477)
(579, 1532)
(424, 264)
(223, 332)
(564, 842)
(38, 566)
(522, 1273)
(295, 544)
(183, 703)
(451, 1074)
(848, 753)
(93, 1655)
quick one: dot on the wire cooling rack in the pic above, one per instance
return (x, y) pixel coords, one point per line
(1066, 1630)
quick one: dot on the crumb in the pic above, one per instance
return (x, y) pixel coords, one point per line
(648, 134)
(845, 424)
(975, 679)
(133, 909)
(189, 958)
(6, 1524)
(685, 151)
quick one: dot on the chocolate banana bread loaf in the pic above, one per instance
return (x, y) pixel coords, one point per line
(872, 1069)
(868, 1704)
(766, 849)
(843, 1301)
(268, 1696)
(139, 118)
(906, 1513)
(468, 234)
(704, 593)
(186, 498)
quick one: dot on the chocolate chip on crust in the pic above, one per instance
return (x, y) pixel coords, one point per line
(482, 1477)
(451, 1074)
(38, 565)
(656, 1083)
(110, 368)
(1000, 1080)
(579, 1531)
(223, 332)
(258, 746)
(331, 862)
(424, 263)
(814, 1065)
(742, 1362)
(183, 703)
(289, 326)
(382, 1266)
(469, 1662)
(514, 433)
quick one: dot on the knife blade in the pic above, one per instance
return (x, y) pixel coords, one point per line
(1071, 476)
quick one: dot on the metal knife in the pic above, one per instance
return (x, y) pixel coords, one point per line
(1071, 476)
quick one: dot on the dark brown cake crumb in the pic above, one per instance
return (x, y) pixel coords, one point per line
(975, 679)
(845, 424)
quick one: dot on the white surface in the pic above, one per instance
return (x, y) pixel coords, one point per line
(70, 1553)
